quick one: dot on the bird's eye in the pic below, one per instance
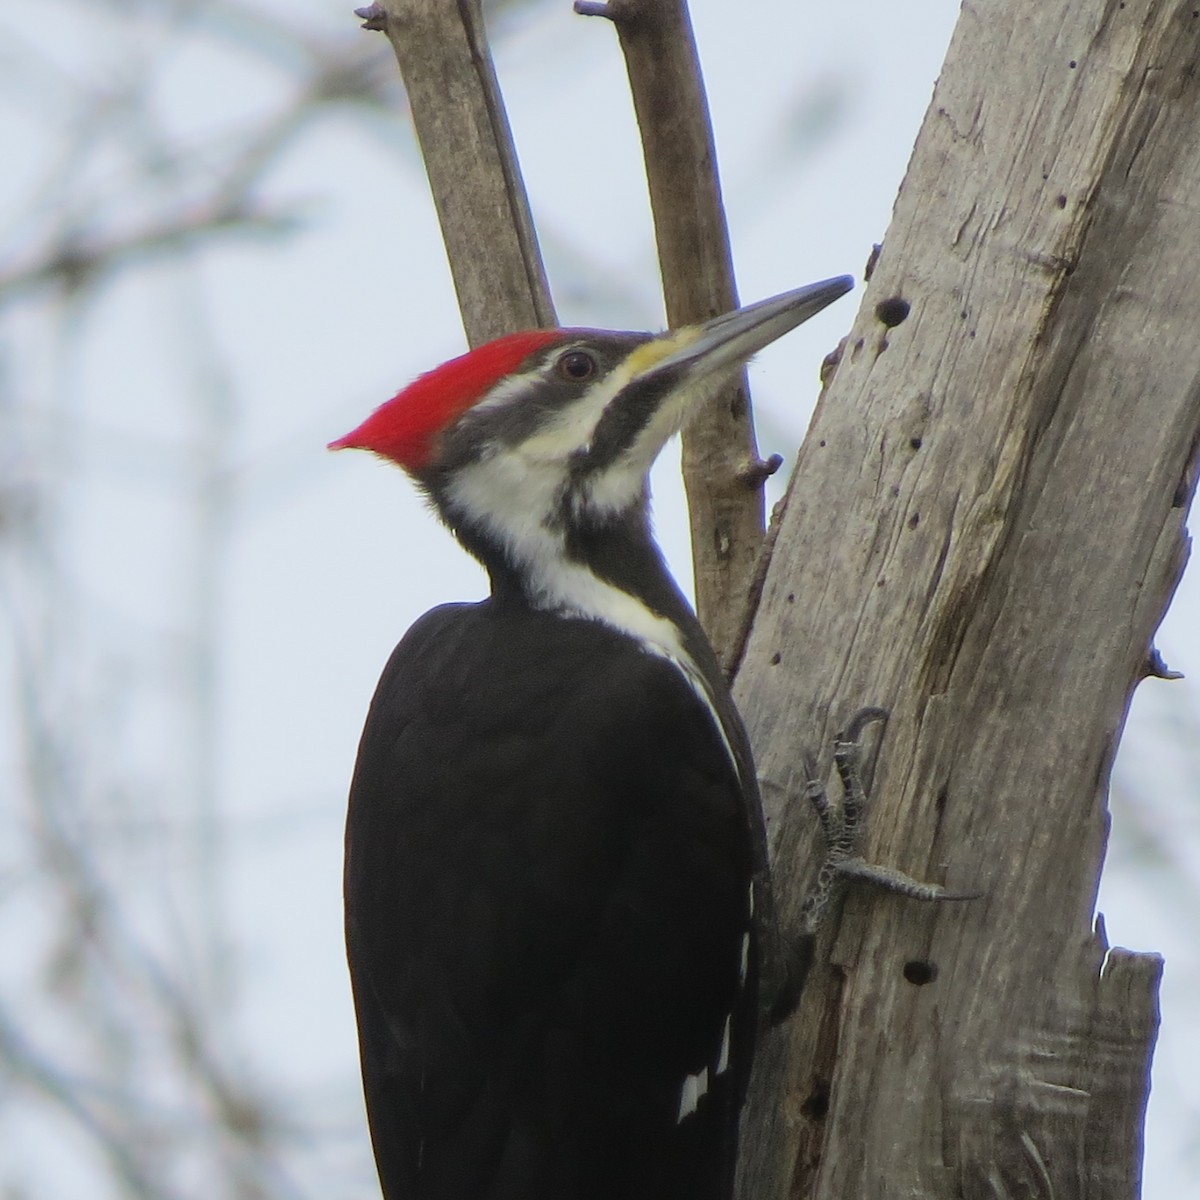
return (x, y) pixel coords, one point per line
(576, 366)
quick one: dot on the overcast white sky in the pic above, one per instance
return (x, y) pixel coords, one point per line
(332, 557)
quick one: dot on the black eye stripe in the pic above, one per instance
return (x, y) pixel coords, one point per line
(623, 420)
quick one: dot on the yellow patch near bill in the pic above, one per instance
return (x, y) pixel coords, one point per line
(652, 353)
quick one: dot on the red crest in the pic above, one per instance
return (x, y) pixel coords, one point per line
(406, 427)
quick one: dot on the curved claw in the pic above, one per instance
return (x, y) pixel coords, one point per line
(859, 722)
(808, 760)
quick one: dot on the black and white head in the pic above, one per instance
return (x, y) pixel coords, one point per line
(543, 435)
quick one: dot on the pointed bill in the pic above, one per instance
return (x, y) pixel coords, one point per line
(736, 336)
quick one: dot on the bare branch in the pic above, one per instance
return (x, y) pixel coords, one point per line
(721, 467)
(469, 157)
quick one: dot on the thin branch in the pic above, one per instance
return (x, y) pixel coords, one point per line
(469, 156)
(722, 472)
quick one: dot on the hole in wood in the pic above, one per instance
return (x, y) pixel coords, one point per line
(920, 973)
(816, 1107)
(893, 310)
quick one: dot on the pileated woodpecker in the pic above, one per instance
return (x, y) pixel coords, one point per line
(552, 852)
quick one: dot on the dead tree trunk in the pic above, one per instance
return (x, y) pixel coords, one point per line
(985, 527)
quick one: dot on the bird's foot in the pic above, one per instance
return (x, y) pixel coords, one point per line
(841, 829)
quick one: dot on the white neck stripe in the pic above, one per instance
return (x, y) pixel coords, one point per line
(515, 498)
(571, 588)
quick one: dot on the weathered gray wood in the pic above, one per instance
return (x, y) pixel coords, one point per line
(985, 528)
(467, 146)
(722, 473)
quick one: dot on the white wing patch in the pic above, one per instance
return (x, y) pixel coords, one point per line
(694, 1086)
(723, 1061)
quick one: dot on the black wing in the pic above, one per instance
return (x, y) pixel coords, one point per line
(548, 918)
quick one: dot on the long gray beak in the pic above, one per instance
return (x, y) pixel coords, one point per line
(735, 336)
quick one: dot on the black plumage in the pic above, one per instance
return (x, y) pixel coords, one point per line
(548, 886)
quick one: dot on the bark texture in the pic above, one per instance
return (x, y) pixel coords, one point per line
(986, 525)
